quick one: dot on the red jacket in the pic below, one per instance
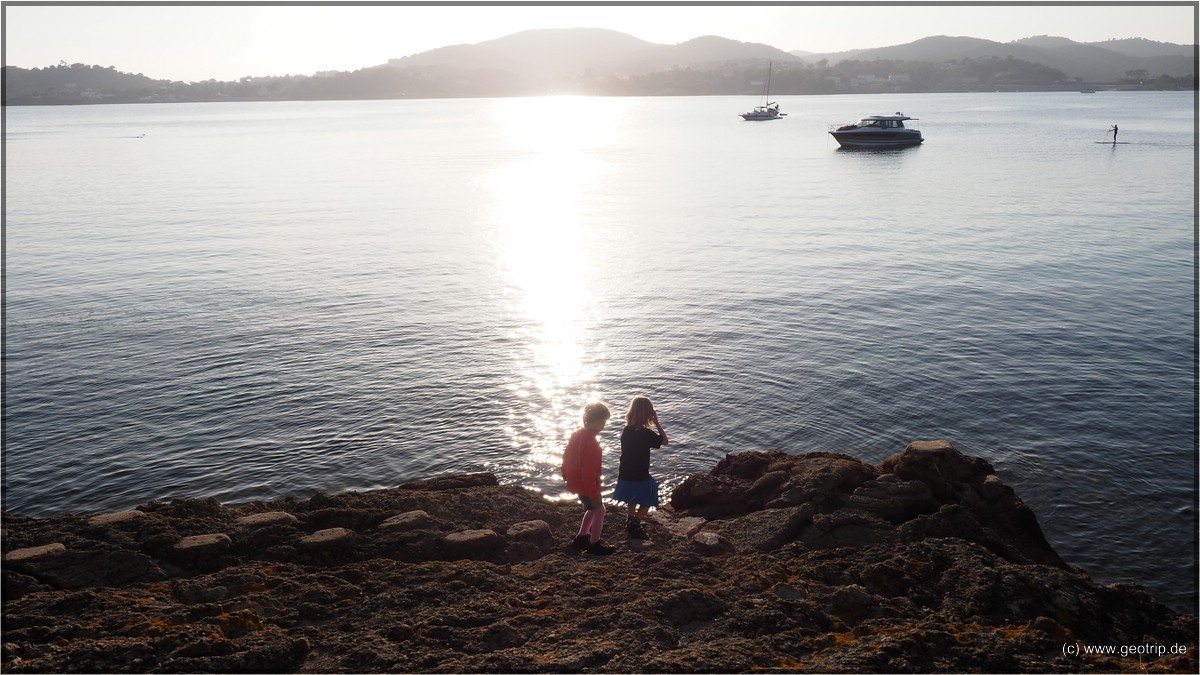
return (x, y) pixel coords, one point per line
(581, 464)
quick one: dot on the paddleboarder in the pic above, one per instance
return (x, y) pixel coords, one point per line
(1114, 130)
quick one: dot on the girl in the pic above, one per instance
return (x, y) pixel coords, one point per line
(581, 469)
(635, 486)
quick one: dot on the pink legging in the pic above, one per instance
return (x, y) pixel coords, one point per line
(593, 518)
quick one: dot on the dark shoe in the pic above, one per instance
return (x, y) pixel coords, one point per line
(601, 548)
(635, 530)
(581, 542)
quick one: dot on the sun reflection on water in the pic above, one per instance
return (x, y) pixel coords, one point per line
(546, 247)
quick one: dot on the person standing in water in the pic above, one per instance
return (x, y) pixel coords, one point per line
(581, 470)
(635, 486)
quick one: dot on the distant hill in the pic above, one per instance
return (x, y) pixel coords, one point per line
(1093, 62)
(568, 52)
(594, 61)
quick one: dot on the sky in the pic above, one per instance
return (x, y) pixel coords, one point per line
(192, 43)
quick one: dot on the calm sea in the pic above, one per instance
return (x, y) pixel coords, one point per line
(256, 300)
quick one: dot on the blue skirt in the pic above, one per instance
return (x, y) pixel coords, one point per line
(640, 492)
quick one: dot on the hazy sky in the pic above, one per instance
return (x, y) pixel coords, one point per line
(192, 43)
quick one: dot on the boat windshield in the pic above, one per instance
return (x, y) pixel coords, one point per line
(882, 124)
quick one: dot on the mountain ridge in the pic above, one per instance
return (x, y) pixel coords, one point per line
(1095, 61)
(602, 62)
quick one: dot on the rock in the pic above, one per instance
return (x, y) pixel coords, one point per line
(764, 530)
(711, 543)
(204, 543)
(472, 542)
(115, 518)
(847, 529)
(751, 481)
(690, 605)
(685, 527)
(893, 499)
(330, 537)
(852, 603)
(530, 530)
(408, 521)
(268, 518)
(32, 552)
(97, 567)
(939, 465)
(838, 567)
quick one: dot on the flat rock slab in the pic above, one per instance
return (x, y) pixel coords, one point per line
(330, 537)
(268, 518)
(529, 530)
(473, 541)
(118, 517)
(685, 527)
(204, 543)
(410, 520)
(33, 552)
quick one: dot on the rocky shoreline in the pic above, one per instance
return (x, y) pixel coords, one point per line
(816, 562)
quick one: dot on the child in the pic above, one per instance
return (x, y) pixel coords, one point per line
(581, 469)
(635, 486)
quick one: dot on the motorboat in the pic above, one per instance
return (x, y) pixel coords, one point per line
(768, 110)
(878, 131)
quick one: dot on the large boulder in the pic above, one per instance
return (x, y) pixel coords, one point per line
(764, 500)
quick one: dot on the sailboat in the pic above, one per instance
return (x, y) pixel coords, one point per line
(767, 111)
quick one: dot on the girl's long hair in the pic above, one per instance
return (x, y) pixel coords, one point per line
(640, 412)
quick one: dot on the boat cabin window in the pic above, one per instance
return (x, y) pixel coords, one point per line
(882, 124)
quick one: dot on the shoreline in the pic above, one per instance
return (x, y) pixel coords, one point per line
(818, 561)
(1097, 88)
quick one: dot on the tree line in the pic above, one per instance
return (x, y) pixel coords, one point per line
(79, 83)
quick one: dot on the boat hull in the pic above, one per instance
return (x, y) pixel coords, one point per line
(859, 139)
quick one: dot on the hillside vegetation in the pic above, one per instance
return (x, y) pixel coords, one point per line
(608, 63)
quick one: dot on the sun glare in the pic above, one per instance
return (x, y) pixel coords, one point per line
(544, 234)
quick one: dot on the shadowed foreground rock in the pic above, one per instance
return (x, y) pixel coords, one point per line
(817, 562)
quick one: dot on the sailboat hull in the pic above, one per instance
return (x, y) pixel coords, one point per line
(761, 117)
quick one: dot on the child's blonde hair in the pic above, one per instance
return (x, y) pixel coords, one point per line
(641, 411)
(594, 412)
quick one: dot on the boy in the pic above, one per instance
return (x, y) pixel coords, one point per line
(581, 469)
